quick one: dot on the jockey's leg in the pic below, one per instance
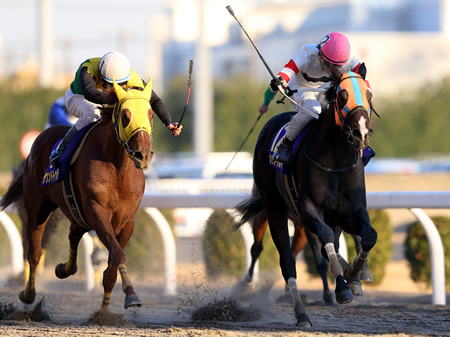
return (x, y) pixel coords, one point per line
(58, 152)
(86, 111)
(296, 125)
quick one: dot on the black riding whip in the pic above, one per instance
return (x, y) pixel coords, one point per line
(240, 147)
(280, 88)
(191, 64)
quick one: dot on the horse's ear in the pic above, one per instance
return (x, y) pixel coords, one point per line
(148, 89)
(362, 70)
(119, 90)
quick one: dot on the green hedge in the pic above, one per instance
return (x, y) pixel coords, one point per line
(223, 248)
(417, 250)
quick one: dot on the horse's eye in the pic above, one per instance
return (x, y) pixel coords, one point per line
(126, 117)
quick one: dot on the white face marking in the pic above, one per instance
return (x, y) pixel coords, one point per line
(362, 127)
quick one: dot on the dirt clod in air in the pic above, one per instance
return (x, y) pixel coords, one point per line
(226, 310)
(37, 314)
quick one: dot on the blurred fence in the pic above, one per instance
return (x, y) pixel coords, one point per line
(183, 193)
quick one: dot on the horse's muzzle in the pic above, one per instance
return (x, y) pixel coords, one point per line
(142, 161)
(359, 139)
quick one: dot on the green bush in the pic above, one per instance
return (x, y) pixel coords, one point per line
(417, 250)
(380, 254)
(224, 251)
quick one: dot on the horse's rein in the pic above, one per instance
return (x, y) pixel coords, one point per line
(324, 168)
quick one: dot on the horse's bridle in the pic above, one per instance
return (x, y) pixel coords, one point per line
(344, 119)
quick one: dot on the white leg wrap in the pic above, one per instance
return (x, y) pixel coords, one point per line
(335, 267)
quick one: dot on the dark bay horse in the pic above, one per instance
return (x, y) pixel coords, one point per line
(328, 193)
(300, 238)
(106, 183)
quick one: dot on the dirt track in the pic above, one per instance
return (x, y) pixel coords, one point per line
(70, 307)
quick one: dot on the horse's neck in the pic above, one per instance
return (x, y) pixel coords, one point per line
(332, 140)
(112, 150)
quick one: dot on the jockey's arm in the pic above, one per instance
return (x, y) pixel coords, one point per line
(160, 109)
(89, 87)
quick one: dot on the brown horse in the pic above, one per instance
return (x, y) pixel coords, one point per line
(107, 184)
(327, 194)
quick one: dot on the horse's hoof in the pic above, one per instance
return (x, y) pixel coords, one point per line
(355, 287)
(132, 301)
(60, 271)
(343, 293)
(303, 321)
(29, 298)
(366, 275)
(344, 297)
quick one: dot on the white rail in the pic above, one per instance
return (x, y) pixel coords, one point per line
(414, 201)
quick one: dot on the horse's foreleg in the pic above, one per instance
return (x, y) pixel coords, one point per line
(368, 239)
(131, 298)
(321, 266)
(342, 291)
(366, 273)
(117, 260)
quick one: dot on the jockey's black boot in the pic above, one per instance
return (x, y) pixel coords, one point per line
(283, 151)
(58, 152)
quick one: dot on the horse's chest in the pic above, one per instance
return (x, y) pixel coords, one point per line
(342, 197)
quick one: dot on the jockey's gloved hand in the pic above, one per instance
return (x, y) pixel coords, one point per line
(275, 82)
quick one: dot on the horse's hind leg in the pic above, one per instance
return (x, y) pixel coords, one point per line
(118, 261)
(35, 227)
(64, 270)
(277, 216)
(259, 227)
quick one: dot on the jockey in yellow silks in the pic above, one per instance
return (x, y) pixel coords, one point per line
(85, 96)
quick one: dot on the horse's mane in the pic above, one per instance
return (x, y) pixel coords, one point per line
(106, 114)
(326, 98)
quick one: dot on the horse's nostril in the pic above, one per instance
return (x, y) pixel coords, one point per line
(138, 156)
(356, 133)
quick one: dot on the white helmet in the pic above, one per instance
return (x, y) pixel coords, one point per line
(115, 65)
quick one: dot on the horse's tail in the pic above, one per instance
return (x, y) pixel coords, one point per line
(248, 209)
(14, 193)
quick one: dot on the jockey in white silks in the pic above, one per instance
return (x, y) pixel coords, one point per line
(307, 74)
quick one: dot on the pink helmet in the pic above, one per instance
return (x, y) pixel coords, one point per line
(335, 48)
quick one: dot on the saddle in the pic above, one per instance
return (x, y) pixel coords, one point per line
(63, 173)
